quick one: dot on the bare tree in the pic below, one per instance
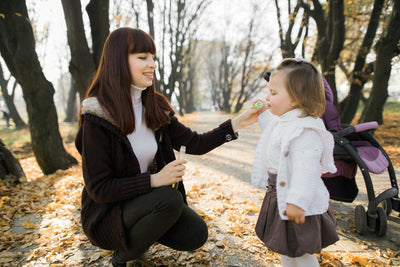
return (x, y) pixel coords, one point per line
(361, 72)
(188, 84)
(178, 19)
(251, 67)
(223, 70)
(234, 66)
(387, 46)
(330, 23)
(9, 99)
(288, 46)
(71, 111)
(212, 73)
(17, 47)
(126, 12)
(83, 63)
(97, 11)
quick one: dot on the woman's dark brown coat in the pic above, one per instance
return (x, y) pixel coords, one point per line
(112, 175)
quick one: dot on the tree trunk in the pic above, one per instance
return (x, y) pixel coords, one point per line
(10, 169)
(99, 24)
(71, 112)
(82, 65)
(349, 105)
(385, 49)
(331, 36)
(150, 17)
(17, 47)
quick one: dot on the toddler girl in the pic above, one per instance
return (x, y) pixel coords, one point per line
(294, 150)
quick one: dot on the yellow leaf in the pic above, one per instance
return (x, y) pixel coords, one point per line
(29, 225)
(106, 253)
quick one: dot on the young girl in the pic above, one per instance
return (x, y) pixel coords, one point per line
(294, 150)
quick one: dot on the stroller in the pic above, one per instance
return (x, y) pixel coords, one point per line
(355, 146)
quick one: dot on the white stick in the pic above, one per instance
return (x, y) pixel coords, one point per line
(181, 155)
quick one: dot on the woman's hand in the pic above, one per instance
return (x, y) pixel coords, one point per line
(171, 173)
(295, 213)
(247, 118)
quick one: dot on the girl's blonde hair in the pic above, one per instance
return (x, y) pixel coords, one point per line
(304, 85)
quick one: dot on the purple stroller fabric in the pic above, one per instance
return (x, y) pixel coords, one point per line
(330, 117)
(331, 120)
(372, 156)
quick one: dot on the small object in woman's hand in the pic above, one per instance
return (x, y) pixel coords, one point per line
(181, 155)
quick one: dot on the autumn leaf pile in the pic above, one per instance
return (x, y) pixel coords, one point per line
(40, 219)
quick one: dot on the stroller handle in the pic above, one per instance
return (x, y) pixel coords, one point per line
(366, 126)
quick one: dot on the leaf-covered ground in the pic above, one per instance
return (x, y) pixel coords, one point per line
(39, 219)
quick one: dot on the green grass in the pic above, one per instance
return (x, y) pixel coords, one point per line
(11, 136)
(22, 137)
(391, 108)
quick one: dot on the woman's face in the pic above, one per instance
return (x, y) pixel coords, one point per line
(141, 67)
(277, 96)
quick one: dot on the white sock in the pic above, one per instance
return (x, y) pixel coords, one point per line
(288, 261)
(307, 260)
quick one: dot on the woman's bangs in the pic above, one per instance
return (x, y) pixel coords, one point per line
(141, 42)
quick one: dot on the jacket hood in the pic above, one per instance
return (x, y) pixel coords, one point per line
(92, 106)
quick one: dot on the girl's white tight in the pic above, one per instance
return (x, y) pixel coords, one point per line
(306, 260)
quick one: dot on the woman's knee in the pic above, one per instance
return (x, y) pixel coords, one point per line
(202, 237)
(170, 200)
(195, 234)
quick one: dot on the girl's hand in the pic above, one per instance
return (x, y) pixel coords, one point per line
(171, 173)
(247, 118)
(294, 213)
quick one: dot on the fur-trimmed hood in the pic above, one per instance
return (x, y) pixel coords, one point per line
(92, 106)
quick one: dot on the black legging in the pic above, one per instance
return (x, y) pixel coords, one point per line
(161, 216)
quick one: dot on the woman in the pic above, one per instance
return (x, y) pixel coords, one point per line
(126, 139)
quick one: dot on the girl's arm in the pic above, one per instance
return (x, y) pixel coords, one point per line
(265, 119)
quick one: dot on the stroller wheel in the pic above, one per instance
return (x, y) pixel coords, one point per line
(361, 220)
(387, 206)
(381, 222)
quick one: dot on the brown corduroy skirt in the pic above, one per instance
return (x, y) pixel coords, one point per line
(287, 237)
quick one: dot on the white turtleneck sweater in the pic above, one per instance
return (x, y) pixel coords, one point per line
(142, 140)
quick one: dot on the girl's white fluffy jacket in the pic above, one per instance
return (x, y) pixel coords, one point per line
(302, 160)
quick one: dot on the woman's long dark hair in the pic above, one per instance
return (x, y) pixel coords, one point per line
(112, 82)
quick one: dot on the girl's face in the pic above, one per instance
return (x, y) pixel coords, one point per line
(277, 96)
(141, 67)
